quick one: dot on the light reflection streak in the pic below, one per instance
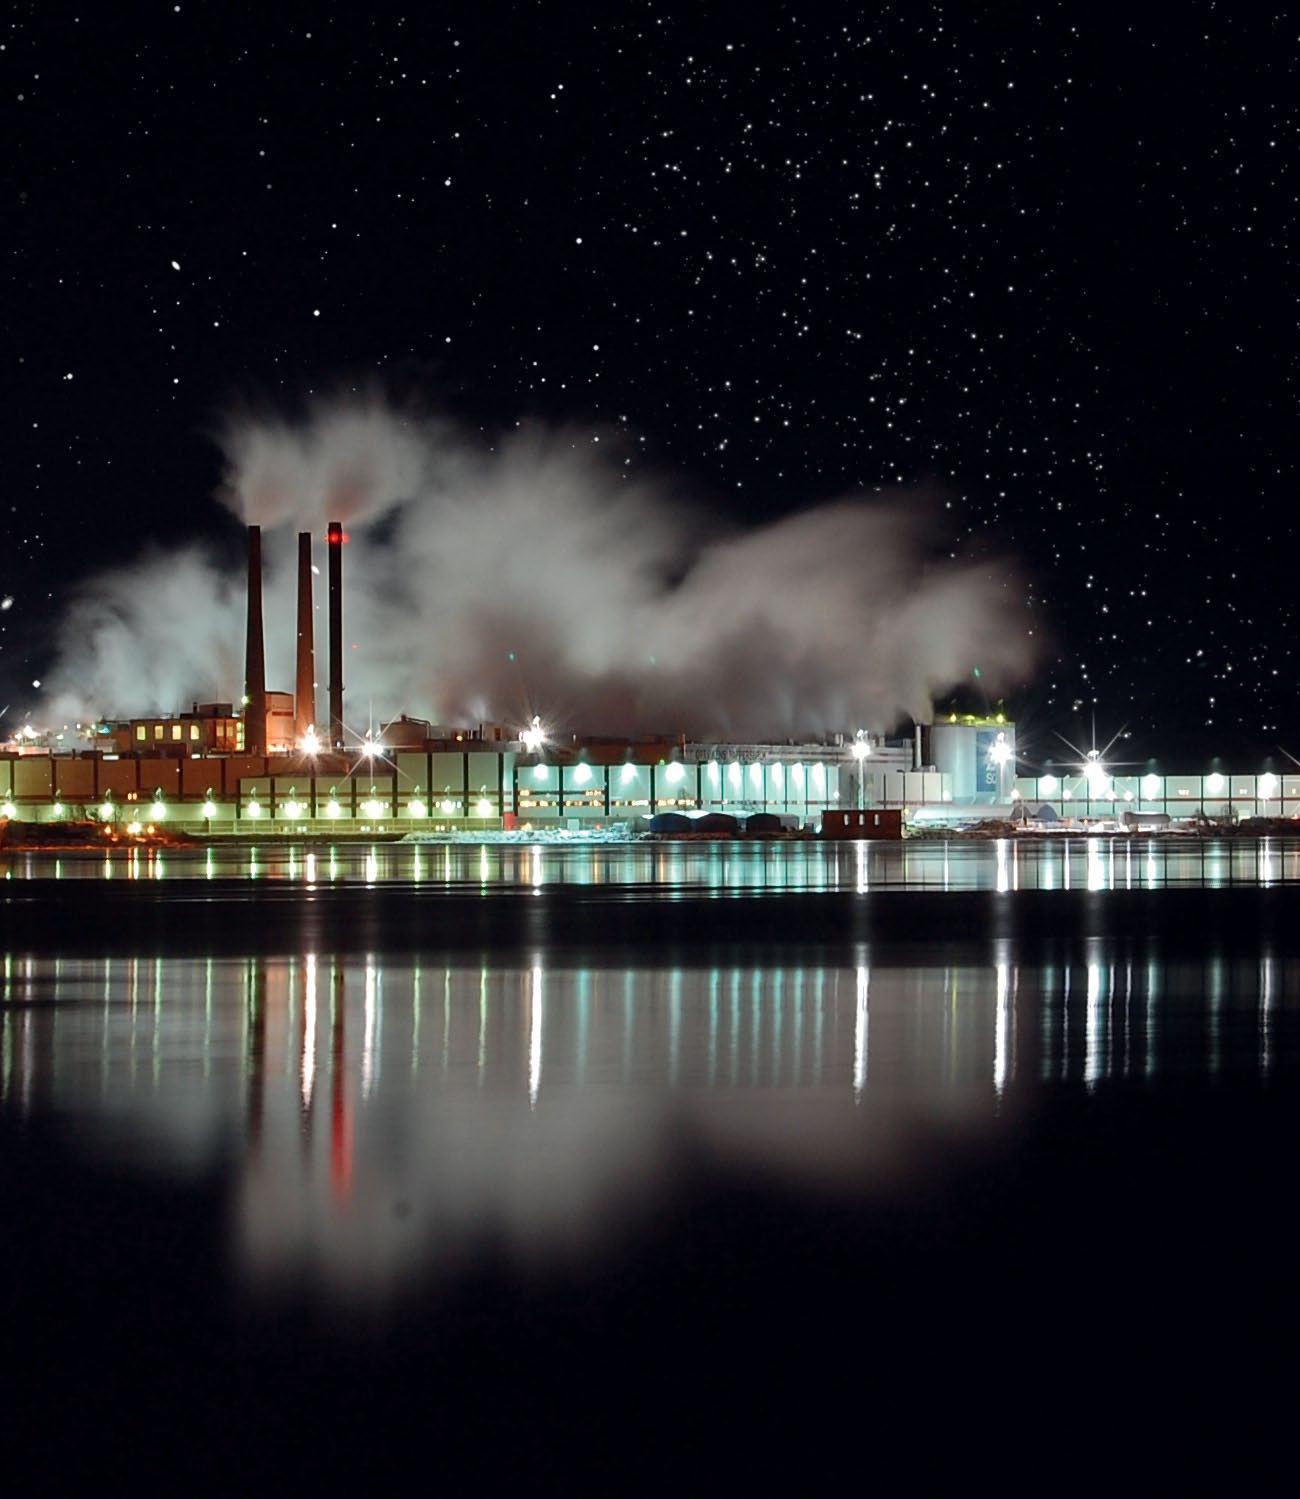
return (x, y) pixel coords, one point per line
(6, 1053)
(861, 1031)
(1267, 866)
(1003, 1066)
(482, 1024)
(369, 1051)
(307, 1063)
(674, 1026)
(1094, 1019)
(1065, 1021)
(1266, 983)
(416, 1014)
(535, 1017)
(27, 1072)
(1215, 989)
(1096, 867)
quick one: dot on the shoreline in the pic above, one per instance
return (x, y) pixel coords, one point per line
(79, 837)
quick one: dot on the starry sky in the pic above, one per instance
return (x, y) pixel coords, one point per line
(1037, 259)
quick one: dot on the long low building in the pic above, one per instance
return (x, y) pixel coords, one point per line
(1095, 794)
(484, 779)
(479, 785)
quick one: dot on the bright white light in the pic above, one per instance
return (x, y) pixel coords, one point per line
(310, 742)
(1150, 785)
(483, 807)
(293, 810)
(861, 746)
(629, 773)
(369, 748)
(582, 774)
(209, 809)
(1214, 783)
(134, 829)
(796, 774)
(1047, 785)
(9, 809)
(676, 772)
(373, 808)
(1094, 772)
(1268, 785)
(1015, 795)
(417, 808)
(332, 808)
(254, 809)
(1000, 751)
(715, 770)
(105, 811)
(756, 774)
(1067, 796)
(1128, 796)
(539, 772)
(532, 738)
(448, 806)
(57, 809)
(734, 773)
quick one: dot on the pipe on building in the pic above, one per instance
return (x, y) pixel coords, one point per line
(255, 652)
(335, 550)
(304, 719)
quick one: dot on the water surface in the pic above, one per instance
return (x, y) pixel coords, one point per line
(555, 1164)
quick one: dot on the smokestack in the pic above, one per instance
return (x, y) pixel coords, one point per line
(304, 718)
(255, 652)
(335, 551)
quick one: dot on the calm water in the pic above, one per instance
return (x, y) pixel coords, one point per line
(303, 1131)
(1002, 865)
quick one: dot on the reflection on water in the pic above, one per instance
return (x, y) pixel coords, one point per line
(386, 1114)
(1006, 864)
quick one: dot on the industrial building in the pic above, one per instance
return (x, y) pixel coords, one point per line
(267, 767)
(264, 766)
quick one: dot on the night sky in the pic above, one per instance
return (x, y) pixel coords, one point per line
(1039, 259)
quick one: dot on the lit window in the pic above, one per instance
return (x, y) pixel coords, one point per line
(140, 732)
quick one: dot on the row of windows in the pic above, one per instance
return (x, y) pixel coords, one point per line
(224, 732)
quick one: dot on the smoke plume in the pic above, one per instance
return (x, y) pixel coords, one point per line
(488, 584)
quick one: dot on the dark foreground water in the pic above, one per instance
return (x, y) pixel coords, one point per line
(689, 1168)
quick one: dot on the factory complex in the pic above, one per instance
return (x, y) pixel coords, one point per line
(262, 767)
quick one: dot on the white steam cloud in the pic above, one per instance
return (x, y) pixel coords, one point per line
(536, 577)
